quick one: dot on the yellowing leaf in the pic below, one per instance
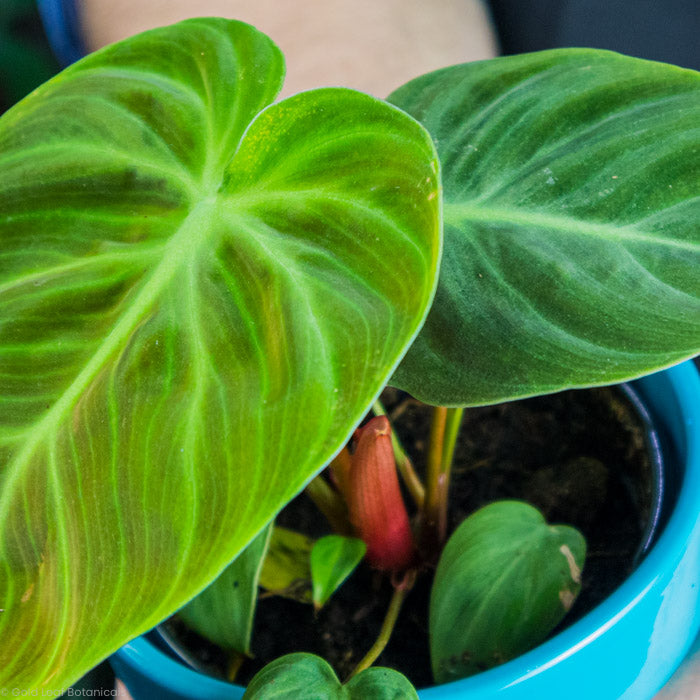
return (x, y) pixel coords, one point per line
(286, 570)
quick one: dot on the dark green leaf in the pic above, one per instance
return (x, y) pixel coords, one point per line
(223, 612)
(504, 580)
(307, 676)
(199, 300)
(572, 224)
(333, 559)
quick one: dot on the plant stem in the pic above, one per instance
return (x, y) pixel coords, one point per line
(392, 614)
(452, 425)
(404, 464)
(330, 503)
(436, 448)
(434, 479)
(234, 664)
(443, 438)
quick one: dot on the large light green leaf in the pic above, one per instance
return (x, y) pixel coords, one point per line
(198, 303)
(572, 224)
(504, 580)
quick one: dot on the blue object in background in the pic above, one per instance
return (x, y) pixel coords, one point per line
(62, 26)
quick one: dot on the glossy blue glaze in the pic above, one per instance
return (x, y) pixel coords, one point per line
(625, 649)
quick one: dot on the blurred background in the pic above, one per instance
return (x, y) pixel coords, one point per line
(25, 57)
(663, 30)
(659, 30)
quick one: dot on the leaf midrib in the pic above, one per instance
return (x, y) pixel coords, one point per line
(179, 251)
(457, 213)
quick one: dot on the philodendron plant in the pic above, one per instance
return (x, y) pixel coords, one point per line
(202, 293)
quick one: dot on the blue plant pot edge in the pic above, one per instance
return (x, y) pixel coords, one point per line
(684, 381)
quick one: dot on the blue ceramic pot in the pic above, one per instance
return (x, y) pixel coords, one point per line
(626, 648)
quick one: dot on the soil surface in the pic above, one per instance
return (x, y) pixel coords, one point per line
(579, 456)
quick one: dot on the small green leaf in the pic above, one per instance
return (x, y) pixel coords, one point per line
(286, 570)
(310, 677)
(572, 224)
(504, 581)
(223, 612)
(333, 559)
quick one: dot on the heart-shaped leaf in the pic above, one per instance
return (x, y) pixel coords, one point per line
(199, 300)
(308, 676)
(504, 580)
(572, 224)
(223, 612)
(333, 559)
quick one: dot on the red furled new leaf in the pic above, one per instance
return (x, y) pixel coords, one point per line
(377, 509)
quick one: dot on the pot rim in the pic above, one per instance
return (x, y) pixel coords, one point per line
(684, 381)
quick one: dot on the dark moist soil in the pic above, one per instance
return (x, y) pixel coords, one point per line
(579, 456)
